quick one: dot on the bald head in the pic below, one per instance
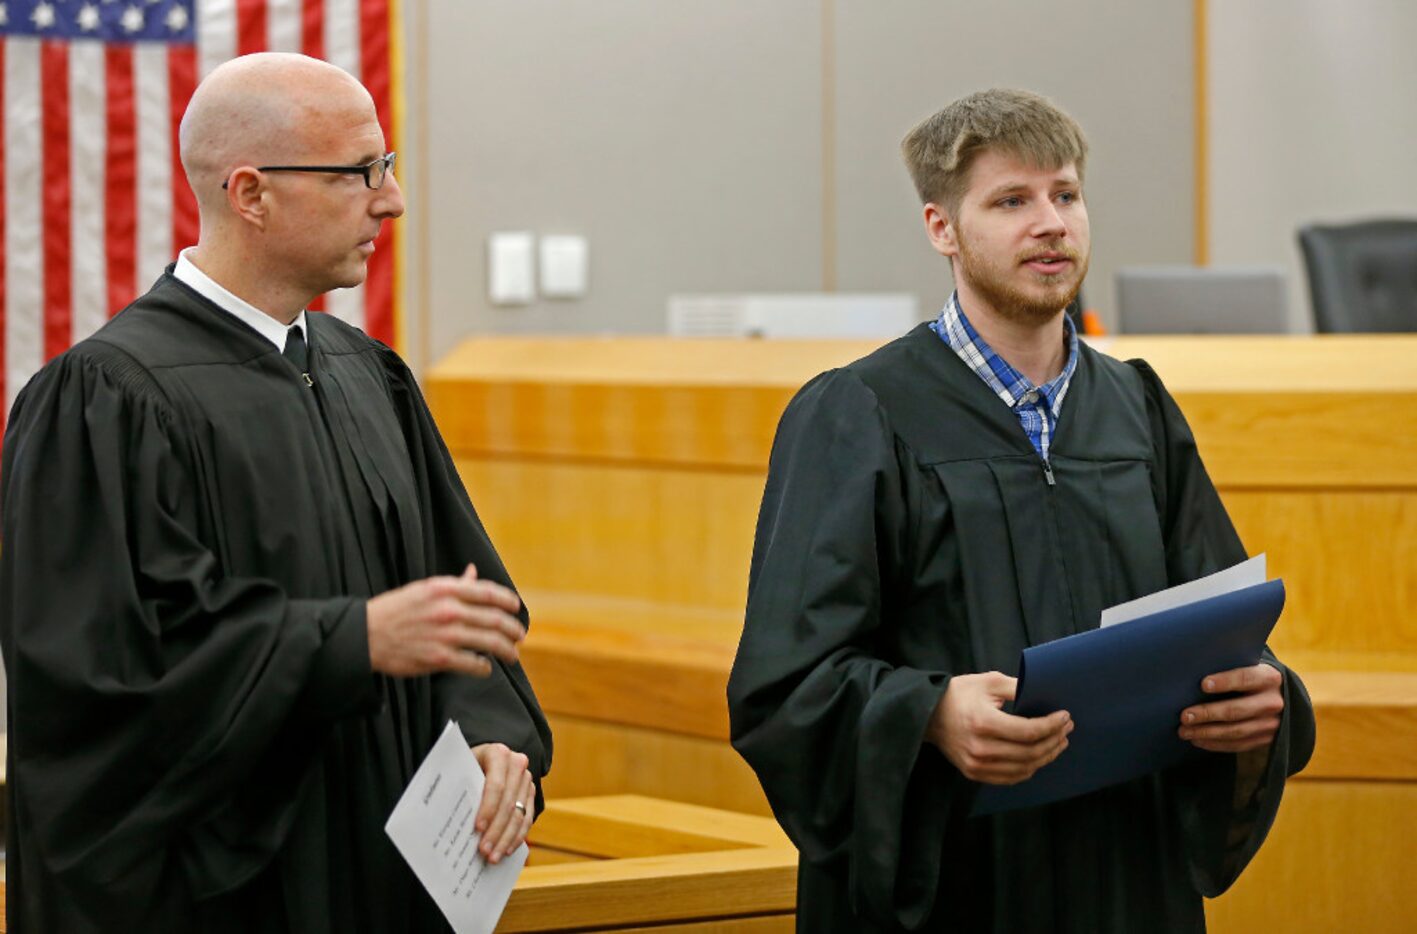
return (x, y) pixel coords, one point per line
(271, 108)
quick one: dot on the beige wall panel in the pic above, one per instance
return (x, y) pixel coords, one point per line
(1339, 858)
(682, 139)
(1311, 120)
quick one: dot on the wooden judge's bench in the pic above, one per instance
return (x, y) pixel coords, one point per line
(620, 479)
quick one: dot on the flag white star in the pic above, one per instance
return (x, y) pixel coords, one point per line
(177, 18)
(4, 15)
(88, 17)
(132, 20)
(43, 16)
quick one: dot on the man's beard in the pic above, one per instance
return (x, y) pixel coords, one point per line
(1026, 306)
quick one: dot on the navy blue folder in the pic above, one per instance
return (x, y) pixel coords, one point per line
(1125, 687)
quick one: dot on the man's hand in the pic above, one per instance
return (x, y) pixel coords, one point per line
(986, 744)
(444, 624)
(508, 800)
(1236, 724)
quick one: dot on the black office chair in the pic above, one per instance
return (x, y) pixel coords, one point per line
(1362, 277)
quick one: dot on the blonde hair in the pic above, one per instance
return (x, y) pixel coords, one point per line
(940, 149)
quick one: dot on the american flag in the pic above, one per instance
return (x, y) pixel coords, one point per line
(94, 203)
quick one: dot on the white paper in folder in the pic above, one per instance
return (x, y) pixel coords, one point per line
(1245, 574)
(432, 826)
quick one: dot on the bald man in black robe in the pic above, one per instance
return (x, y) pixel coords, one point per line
(242, 588)
(983, 484)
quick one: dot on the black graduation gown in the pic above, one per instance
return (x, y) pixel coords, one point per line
(197, 741)
(908, 532)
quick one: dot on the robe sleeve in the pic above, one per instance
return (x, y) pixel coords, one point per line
(1222, 833)
(833, 730)
(162, 712)
(501, 708)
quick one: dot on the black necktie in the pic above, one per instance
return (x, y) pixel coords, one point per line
(295, 350)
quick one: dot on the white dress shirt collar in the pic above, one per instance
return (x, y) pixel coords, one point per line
(268, 327)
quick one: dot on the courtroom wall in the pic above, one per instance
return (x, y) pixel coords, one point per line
(681, 139)
(745, 146)
(1124, 70)
(736, 145)
(1311, 120)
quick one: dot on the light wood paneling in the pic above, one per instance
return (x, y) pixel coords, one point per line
(684, 538)
(629, 826)
(621, 479)
(772, 924)
(1367, 724)
(1338, 859)
(655, 677)
(617, 664)
(550, 856)
(652, 861)
(670, 536)
(1349, 563)
(597, 758)
(632, 468)
(1254, 402)
(601, 895)
(1367, 728)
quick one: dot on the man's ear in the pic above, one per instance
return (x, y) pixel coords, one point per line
(245, 195)
(941, 231)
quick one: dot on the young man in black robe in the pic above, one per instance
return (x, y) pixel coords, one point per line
(242, 588)
(983, 484)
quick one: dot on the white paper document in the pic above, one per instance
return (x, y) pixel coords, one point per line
(1245, 574)
(432, 826)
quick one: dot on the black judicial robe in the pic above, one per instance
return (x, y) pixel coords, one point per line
(197, 741)
(909, 532)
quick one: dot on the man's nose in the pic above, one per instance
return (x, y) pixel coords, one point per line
(1048, 221)
(389, 198)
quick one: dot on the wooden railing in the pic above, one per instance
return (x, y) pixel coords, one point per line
(620, 862)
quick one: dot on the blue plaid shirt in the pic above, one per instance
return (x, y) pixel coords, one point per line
(1037, 407)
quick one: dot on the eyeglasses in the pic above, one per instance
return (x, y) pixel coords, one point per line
(374, 172)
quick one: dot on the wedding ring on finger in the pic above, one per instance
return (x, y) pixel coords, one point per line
(520, 807)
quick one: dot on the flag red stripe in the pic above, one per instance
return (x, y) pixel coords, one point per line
(55, 196)
(251, 33)
(374, 68)
(181, 82)
(4, 410)
(120, 209)
(312, 43)
(312, 14)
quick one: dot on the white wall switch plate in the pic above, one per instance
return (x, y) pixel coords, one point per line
(563, 266)
(510, 262)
